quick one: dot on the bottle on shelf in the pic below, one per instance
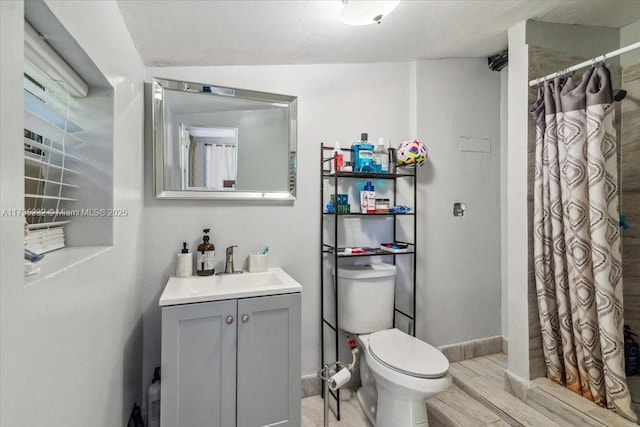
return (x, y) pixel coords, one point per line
(392, 160)
(363, 155)
(368, 199)
(381, 157)
(153, 400)
(371, 199)
(338, 158)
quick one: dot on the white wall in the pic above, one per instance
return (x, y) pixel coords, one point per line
(517, 248)
(338, 102)
(504, 120)
(71, 345)
(459, 265)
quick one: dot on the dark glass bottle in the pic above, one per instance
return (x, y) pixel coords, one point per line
(206, 256)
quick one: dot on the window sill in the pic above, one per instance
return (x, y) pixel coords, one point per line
(59, 261)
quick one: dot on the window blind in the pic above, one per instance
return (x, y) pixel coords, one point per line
(50, 178)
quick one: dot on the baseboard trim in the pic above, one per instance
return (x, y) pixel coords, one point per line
(311, 385)
(475, 348)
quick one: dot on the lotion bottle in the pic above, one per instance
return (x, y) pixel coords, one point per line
(206, 256)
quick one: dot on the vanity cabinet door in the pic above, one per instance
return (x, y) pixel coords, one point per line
(269, 361)
(199, 365)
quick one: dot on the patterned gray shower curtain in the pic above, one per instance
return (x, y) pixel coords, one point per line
(576, 230)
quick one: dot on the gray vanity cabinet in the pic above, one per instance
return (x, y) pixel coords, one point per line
(232, 363)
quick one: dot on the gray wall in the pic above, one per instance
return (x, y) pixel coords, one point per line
(435, 101)
(459, 294)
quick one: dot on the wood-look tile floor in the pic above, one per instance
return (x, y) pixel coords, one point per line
(351, 414)
(477, 399)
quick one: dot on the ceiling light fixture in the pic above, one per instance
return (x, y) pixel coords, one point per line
(364, 12)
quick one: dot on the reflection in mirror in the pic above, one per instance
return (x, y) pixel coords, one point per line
(208, 157)
(217, 142)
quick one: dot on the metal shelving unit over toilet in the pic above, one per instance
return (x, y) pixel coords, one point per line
(331, 254)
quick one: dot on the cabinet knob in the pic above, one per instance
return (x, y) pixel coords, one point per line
(245, 318)
(229, 320)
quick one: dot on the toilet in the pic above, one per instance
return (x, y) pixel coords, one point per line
(398, 371)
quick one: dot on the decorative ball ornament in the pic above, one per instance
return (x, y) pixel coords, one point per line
(411, 154)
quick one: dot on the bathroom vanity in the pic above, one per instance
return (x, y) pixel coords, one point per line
(231, 350)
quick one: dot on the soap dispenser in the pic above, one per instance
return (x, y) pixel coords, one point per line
(206, 256)
(184, 262)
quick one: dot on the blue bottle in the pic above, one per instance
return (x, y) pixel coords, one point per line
(363, 155)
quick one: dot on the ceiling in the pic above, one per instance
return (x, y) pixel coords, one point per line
(265, 32)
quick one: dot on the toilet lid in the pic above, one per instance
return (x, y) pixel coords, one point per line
(407, 354)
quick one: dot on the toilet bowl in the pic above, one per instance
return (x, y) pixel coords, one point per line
(398, 372)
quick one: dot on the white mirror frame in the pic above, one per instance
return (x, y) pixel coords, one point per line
(158, 86)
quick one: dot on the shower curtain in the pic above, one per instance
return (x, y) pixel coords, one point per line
(220, 164)
(576, 230)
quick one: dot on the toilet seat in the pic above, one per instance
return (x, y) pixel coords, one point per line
(407, 355)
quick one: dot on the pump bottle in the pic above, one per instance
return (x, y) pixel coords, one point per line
(184, 262)
(206, 256)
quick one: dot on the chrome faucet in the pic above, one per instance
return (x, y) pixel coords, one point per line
(228, 264)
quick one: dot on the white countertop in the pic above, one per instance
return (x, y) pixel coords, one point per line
(274, 281)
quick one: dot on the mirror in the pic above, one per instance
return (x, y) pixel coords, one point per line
(213, 142)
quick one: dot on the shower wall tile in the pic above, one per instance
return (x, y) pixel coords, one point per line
(630, 208)
(630, 195)
(630, 74)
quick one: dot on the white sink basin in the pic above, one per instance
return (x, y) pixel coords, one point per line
(274, 281)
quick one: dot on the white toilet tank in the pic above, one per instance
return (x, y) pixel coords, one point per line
(365, 297)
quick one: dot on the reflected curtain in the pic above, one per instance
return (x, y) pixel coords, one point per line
(577, 257)
(193, 163)
(220, 164)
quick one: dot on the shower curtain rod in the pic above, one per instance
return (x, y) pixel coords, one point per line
(587, 63)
